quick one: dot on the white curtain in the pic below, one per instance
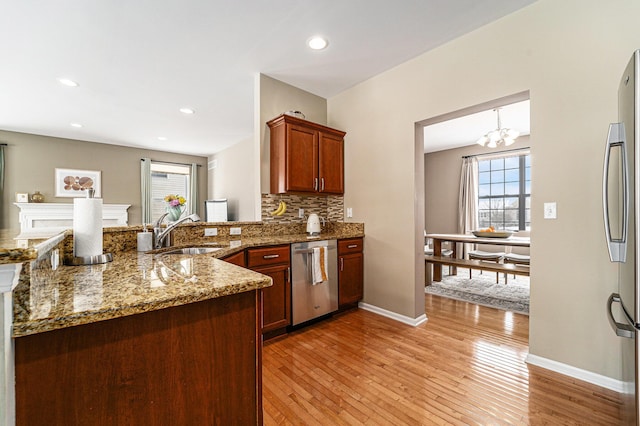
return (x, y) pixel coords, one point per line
(193, 189)
(145, 189)
(468, 201)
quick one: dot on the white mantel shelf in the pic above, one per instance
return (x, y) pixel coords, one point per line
(50, 218)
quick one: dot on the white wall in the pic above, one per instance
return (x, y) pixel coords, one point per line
(570, 55)
(233, 179)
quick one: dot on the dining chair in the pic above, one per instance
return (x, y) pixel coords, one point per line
(519, 255)
(486, 253)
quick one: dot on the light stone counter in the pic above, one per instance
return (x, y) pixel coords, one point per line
(51, 297)
(133, 283)
(14, 250)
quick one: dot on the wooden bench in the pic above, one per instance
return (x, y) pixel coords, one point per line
(505, 268)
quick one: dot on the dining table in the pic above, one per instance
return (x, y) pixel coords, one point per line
(438, 239)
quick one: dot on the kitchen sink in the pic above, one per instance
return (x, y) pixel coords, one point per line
(193, 250)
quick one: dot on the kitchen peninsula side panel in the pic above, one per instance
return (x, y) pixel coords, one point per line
(198, 363)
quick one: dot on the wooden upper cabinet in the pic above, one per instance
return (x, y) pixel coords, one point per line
(305, 157)
(331, 163)
(301, 158)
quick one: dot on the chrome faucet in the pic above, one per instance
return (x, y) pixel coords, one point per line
(161, 235)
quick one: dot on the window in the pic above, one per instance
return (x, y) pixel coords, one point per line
(167, 179)
(504, 192)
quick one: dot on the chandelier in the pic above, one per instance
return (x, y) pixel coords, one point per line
(499, 136)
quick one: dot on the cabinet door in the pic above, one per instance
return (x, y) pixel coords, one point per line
(276, 300)
(331, 163)
(350, 278)
(302, 159)
(236, 259)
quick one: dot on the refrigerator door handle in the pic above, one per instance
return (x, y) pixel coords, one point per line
(622, 330)
(617, 246)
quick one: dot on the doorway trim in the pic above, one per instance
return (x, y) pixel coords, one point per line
(419, 197)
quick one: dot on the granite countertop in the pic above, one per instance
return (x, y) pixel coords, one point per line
(15, 249)
(134, 282)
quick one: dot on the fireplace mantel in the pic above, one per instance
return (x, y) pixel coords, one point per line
(49, 218)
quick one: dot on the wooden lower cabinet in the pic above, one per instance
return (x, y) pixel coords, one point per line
(275, 262)
(350, 272)
(236, 259)
(193, 364)
(276, 308)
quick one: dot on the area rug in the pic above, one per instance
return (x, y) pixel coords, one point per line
(482, 289)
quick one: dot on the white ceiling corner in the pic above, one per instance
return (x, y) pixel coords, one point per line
(138, 62)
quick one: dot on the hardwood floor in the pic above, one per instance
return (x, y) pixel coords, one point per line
(465, 365)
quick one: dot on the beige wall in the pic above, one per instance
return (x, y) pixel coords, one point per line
(442, 185)
(276, 98)
(233, 179)
(30, 161)
(569, 55)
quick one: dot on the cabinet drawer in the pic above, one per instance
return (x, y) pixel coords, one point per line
(268, 256)
(352, 245)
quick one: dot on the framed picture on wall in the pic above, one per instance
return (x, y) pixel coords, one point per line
(75, 183)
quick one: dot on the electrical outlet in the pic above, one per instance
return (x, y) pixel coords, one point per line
(349, 212)
(210, 232)
(301, 213)
(235, 231)
(550, 211)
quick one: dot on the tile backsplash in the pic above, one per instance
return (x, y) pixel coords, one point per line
(330, 207)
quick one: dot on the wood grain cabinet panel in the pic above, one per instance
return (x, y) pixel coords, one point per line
(275, 262)
(331, 163)
(350, 272)
(193, 364)
(236, 259)
(276, 309)
(306, 157)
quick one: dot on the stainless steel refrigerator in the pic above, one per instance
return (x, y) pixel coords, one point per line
(621, 195)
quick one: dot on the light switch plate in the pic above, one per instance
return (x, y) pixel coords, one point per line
(550, 211)
(349, 212)
(210, 232)
(301, 213)
(235, 231)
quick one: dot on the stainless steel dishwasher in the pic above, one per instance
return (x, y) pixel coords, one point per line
(309, 301)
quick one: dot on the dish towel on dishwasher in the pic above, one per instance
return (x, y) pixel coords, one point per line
(319, 270)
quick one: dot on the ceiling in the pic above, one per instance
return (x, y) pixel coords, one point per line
(466, 130)
(138, 62)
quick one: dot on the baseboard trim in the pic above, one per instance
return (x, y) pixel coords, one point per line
(578, 373)
(393, 315)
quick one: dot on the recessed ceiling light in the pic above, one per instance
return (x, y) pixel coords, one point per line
(187, 111)
(317, 43)
(162, 138)
(77, 125)
(68, 82)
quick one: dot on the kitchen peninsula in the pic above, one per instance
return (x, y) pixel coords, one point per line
(147, 337)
